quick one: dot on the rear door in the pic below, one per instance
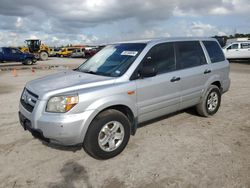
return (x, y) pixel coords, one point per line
(193, 70)
(245, 50)
(159, 95)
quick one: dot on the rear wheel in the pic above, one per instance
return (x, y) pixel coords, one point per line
(107, 135)
(210, 102)
(44, 56)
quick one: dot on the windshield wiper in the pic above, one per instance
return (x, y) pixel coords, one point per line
(84, 71)
(92, 72)
(89, 72)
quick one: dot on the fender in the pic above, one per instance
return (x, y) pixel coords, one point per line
(104, 103)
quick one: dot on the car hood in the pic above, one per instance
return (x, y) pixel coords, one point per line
(66, 81)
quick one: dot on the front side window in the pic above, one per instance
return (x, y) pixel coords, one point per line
(189, 54)
(233, 46)
(214, 51)
(14, 51)
(163, 57)
(113, 60)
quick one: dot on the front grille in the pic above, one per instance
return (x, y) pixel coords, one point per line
(28, 99)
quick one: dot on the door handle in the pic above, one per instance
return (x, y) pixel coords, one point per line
(175, 79)
(207, 71)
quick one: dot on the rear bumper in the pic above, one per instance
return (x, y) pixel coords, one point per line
(226, 85)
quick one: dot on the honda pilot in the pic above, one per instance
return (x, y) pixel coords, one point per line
(100, 104)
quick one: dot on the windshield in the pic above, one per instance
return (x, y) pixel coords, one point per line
(113, 60)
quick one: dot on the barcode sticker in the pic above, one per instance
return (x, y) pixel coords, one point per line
(129, 53)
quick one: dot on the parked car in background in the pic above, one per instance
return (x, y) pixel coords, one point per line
(99, 104)
(8, 54)
(79, 52)
(89, 52)
(237, 50)
(66, 52)
(54, 52)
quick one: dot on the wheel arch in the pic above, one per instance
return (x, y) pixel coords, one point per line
(128, 113)
(218, 84)
(213, 80)
(123, 108)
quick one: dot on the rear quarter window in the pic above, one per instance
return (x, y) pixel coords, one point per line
(214, 51)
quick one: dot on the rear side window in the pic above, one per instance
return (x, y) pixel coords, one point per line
(189, 54)
(214, 51)
(245, 45)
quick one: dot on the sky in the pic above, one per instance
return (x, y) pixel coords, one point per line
(102, 21)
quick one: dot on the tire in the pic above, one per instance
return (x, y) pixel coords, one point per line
(28, 62)
(100, 136)
(44, 56)
(34, 61)
(210, 103)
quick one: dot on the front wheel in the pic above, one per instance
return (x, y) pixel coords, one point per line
(28, 62)
(107, 135)
(210, 103)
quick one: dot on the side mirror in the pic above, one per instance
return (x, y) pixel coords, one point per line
(149, 69)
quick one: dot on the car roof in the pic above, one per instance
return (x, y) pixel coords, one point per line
(168, 39)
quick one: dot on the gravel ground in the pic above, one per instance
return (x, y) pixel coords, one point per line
(52, 62)
(178, 150)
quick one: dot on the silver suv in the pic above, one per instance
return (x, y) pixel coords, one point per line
(100, 104)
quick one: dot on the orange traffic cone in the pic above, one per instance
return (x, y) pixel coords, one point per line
(14, 72)
(33, 71)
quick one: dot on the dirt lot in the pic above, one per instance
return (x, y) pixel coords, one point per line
(180, 150)
(51, 62)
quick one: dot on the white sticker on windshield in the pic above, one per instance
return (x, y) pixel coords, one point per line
(117, 72)
(130, 53)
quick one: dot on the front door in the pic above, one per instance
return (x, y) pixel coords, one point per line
(233, 51)
(159, 95)
(16, 54)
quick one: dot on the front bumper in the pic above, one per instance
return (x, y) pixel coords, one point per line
(26, 124)
(62, 129)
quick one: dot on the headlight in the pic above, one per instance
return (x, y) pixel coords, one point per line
(61, 104)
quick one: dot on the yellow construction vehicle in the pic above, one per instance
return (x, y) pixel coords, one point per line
(34, 46)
